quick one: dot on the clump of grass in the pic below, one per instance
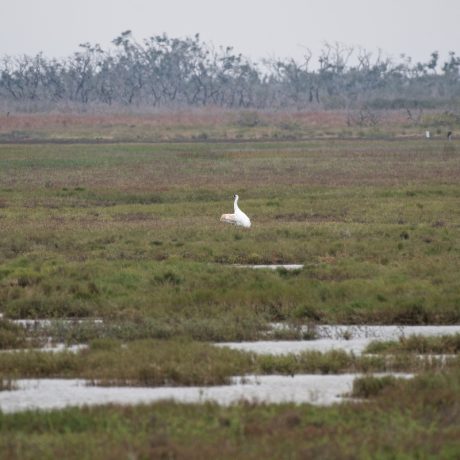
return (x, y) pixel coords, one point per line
(446, 344)
(145, 363)
(13, 336)
(370, 386)
(106, 344)
(225, 329)
(332, 362)
(292, 331)
(249, 119)
(338, 362)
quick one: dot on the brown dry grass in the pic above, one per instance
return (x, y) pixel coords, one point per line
(66, 120)
(187, 118)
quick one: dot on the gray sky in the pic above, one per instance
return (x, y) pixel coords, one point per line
(256, 28)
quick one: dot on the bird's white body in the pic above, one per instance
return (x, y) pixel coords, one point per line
(238, 217)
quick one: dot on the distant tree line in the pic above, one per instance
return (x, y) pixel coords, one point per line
(175, 72)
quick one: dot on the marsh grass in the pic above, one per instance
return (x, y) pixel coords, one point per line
(133, 327)
(292, 331)
(370, 386)
(448, 344)
(402, 418)
(13, 336)
(128, 232)
(144, 363)
(199, 125)
(183, 362)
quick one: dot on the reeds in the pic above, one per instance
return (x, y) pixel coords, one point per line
(184, 362)
(447, 344)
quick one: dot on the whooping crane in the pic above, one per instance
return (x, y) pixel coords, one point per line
(238, 217)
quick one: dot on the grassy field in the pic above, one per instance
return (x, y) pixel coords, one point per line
(132, 232)
(129, 233)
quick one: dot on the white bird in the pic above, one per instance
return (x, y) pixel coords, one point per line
(238, 217)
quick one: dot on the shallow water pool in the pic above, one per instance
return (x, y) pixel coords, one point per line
(59, 393)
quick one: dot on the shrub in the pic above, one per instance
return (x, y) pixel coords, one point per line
(370, 386)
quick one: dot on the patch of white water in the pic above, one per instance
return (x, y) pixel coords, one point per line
(283, 347)
(352, 339)
(345, 332)
(58, 393)
(58, 347)
(42, 323)
(272, 267)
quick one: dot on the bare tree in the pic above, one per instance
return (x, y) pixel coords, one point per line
(188, 72)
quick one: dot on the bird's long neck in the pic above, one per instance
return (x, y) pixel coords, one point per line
(235, 204)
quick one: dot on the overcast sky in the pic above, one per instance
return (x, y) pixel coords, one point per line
(256, 28)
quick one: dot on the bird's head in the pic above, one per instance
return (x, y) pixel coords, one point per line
(235, 196)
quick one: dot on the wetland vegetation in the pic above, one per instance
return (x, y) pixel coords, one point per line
(417, 418)
(124, 241)
(131, 232)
